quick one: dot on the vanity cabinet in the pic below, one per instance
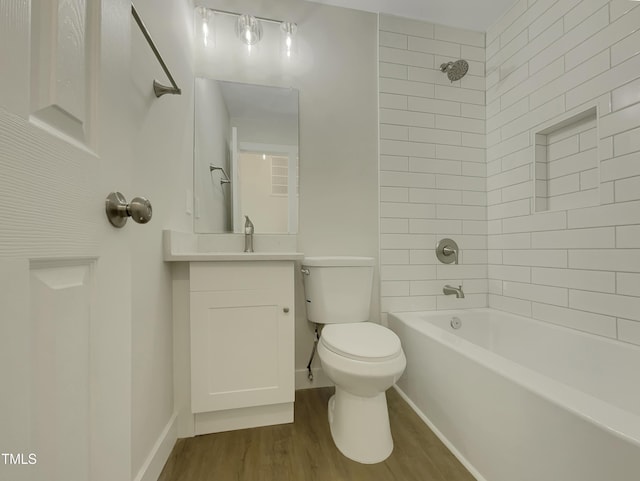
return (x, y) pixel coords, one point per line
(242, 343)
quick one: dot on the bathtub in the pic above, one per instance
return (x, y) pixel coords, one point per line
(516, 399)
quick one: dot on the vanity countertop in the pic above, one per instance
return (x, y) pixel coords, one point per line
(233, 256)
(187, 247)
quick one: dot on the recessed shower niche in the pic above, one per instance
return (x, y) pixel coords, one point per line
(566, 163)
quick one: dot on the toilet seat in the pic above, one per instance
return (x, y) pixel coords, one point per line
(362, 341)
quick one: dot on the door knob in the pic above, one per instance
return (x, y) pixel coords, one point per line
(118, 210)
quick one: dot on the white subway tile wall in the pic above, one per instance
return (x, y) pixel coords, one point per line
(432, 166)
(576, 266)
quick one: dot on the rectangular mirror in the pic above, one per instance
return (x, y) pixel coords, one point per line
(245, 157)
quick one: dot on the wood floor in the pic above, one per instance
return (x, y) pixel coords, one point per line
(304, 451)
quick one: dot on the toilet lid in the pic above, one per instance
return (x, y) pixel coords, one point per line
(363, 341)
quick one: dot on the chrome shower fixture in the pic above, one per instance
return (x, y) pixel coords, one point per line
(455, 70)
(225, 179)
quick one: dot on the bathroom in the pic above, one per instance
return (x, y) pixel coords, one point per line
(363, 191)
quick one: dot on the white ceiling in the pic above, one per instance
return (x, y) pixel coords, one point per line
(476, 15)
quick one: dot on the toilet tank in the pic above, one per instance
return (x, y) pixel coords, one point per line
(338, 289)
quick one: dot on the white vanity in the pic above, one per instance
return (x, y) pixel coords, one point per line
(234, 317)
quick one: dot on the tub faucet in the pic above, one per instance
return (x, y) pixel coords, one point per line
(248, 234)
(448, 290)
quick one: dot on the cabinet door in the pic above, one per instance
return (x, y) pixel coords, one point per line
(242, 349)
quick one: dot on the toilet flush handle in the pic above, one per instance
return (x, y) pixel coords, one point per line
(305, 271)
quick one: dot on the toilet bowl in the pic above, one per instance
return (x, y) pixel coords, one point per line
(358, 414)
(363, 359)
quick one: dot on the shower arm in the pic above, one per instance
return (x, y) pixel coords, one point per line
(226, 179)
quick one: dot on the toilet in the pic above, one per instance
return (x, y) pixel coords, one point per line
(363, 359)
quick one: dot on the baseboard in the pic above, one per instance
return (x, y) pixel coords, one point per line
(152, 467)
(474, 472)
(243, 418)
(320, 379)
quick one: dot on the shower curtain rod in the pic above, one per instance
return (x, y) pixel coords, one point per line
(158, 88)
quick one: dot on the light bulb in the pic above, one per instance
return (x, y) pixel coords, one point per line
(249, 29)
(288, 30)
(205, 18)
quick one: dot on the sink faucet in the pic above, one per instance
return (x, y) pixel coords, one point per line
(248, 234)
(448, 290)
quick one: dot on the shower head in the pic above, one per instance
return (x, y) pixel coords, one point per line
(455, 70)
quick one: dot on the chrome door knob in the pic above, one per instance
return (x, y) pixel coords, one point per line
(118, 210)
(140, 210)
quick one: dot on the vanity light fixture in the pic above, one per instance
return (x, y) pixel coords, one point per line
(204, 22)
(288, 30)
(248, 28)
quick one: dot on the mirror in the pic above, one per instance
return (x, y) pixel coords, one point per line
(245, 157)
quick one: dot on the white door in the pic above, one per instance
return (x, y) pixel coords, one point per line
(65, 308)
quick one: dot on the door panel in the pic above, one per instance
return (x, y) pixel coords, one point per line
(63, 80)
(241, 349)
(60, 327)
(65, 280)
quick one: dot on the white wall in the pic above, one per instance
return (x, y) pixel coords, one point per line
(161, 169)
(432, 165)
(578, 267)
(256, 199)
(282, 130)
(335, 72)
(211, 146)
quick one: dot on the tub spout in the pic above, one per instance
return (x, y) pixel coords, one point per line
(448, 290)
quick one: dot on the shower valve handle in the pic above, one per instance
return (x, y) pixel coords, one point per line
(118, 210)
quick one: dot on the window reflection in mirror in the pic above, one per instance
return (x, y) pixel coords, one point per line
(245, 157)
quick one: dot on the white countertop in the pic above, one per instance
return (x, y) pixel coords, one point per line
(186, 247)
(233, 256)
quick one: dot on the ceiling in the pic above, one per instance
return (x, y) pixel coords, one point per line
(476, 15)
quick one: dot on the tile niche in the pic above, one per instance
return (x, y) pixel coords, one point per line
(566, 163)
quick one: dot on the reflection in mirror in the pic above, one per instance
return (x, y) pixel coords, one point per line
(245, 157)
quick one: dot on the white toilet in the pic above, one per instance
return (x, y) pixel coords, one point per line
(363, 359)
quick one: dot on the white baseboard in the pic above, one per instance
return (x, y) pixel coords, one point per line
(152, 467)
(320, 379)
(242, 418)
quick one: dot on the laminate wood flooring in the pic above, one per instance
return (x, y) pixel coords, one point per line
(304, 450)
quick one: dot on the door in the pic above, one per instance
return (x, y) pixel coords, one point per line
(65, 309)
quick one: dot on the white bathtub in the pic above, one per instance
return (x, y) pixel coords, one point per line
(521, 400)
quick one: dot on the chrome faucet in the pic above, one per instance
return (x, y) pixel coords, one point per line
(448, 290)
(248, 234)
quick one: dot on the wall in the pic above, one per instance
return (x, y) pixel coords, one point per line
(335, 72)
(580, 267)
(211, 146)
(280, 129)
(432, 165)
(256, 198)
(161, 169)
